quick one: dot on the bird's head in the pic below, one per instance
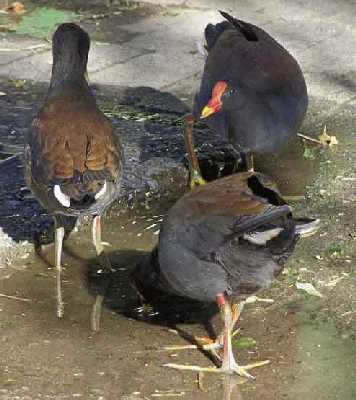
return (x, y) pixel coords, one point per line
(223, 96)
(70, 47)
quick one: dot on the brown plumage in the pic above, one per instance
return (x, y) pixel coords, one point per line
(73, 156)
(231, 196)
(73, 146)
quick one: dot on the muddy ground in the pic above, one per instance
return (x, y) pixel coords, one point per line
(310, 341)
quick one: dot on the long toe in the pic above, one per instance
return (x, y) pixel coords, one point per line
(193, 368)
(242, 370)
(203, 343)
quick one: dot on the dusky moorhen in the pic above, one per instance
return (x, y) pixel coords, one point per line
(252, 92)
(73, 158)
(222, 241)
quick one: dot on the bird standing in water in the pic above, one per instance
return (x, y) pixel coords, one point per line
(73, 157)
(252, 92)
(221, 242)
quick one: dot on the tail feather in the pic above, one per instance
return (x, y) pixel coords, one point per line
(83, 189)
(79, 194)
(242, 26)
(307, 227)
(250, 223)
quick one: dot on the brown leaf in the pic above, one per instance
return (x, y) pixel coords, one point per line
(16, 8)
(327, 140)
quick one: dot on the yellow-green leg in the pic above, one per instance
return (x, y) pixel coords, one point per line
(196, 178)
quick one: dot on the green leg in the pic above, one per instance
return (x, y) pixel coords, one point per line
(196, 178)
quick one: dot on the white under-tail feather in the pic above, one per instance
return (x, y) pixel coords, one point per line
(61, 197)
(101, 191)
(261, 238)
(307, 229)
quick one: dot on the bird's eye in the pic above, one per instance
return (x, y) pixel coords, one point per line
(229, 92)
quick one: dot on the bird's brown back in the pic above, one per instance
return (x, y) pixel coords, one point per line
(232, 196)
(71, 136)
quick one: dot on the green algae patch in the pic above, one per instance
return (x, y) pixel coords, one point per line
(244, 342)
(42, 22)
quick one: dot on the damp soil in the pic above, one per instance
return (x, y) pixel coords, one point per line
(310, 341)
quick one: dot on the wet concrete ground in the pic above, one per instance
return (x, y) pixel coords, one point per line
(310, 341)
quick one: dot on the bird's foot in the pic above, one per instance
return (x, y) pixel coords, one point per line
(230, 370)
(196, 180)
(242, 370)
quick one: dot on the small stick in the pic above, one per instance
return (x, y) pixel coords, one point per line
(200, 381)
(294, 198)
(309, 138)
(14, 297)
(34, 47)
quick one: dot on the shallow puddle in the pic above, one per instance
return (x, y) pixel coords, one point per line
(326, 363)
(46, 358)
(43, 357)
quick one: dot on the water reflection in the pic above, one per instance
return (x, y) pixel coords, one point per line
(231, 389)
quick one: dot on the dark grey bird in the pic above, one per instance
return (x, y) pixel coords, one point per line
(252, 93)
(228, 239)
(221, 242)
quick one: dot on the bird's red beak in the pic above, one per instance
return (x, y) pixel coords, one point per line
(215, 102)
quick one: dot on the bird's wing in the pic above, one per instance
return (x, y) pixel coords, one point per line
(248, 267)
(67, 141)
(255, 251)
(244, 195)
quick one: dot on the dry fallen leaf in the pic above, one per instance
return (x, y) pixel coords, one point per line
(16, 8)
(327, 140)
(309, 288)
(19, 83)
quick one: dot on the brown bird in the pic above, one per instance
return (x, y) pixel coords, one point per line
(223, 241)
(73, 158)
(252, 92)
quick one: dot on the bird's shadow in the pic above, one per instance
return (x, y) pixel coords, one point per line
(165, 310)
(122, 297)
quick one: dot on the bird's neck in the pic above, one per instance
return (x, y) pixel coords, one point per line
(68, 70)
